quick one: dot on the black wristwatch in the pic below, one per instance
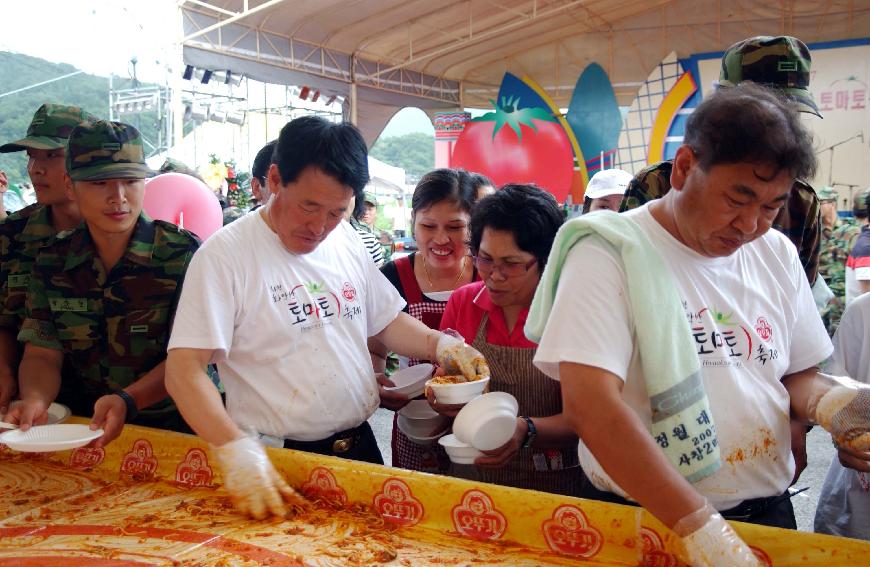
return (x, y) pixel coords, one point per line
(132, 410)
(531, 433)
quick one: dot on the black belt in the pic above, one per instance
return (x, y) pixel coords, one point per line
(753, 507)
(338, 443)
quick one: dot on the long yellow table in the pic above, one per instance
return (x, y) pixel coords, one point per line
(153, 497)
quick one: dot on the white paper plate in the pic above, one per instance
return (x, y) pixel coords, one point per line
(46, 438)
(57, 413)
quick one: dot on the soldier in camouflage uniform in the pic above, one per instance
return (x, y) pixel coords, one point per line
(101, 299)
(838, 238)
(781, 63)
(25, 232)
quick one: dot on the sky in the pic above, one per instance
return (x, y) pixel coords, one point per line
(102, 36)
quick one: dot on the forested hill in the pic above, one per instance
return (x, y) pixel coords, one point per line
(19, 71)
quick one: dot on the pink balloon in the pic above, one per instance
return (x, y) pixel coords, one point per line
(171, 195)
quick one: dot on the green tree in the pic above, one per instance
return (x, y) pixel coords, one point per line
(87, 91)
(414, 152)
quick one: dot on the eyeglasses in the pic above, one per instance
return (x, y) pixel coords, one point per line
(507, 269)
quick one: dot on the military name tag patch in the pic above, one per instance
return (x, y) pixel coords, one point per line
(19, 280)
(71, 304)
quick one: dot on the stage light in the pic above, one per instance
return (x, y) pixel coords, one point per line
(188, 72)
(330, 100)
(198, 113)
(206, 77)
(233, 79)
(303, 94)
(316, 96)
(217, 116)
(236, 118)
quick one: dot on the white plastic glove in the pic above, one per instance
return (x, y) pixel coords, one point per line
(844, 411)
(708, 541)
(457, 357)
(254, 485)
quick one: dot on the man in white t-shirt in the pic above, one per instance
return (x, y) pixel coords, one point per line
(757, 332)
(283, 301)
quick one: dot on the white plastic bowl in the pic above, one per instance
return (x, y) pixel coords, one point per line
(487, 422)
(422, 435)
(459, 452)
(46, 438)
(418, 409)
(460, 393)
(411, 381)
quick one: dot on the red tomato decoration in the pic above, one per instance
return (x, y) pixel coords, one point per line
(533, 149)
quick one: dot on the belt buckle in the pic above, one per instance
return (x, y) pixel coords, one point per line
(342, 445)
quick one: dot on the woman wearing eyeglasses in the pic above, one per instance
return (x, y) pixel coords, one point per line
(512, 232)
(440, 211)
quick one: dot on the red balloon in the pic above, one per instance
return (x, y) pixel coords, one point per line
(185, 201)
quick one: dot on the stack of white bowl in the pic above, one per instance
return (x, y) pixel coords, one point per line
(485, 423)
(420, 423)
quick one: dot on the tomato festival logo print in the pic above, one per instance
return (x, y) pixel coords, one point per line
(476, 517)
(194, 469)
(348, 291)
(140, 462)
(322, 485)
(764, 330)
(568, 532)
(653, 547)
(85, 458)
(397, 504)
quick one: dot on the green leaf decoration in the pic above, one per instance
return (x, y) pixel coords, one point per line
(508, 113)
(314, 287)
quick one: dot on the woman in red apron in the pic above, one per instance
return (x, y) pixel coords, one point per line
(512, 232)
(440, 212)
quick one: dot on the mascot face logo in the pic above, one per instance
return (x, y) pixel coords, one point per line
(194, 469)
(140, 462)
(476, 517)
(85, 458)
(397, 504)
(568, 532)
(322, 485)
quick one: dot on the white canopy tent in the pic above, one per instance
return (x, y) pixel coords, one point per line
(382, 55)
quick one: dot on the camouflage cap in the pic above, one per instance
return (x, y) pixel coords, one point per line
(826, 194)
(50, 128)
(780, 62)
(370, 198)
(106, 150)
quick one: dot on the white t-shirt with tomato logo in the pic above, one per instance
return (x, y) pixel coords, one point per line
(752, 320)
(289, 330)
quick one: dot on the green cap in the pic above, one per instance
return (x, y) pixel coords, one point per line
(781, 62)
(370, 198)
(106, 150)
(50, 128)
(827, 194)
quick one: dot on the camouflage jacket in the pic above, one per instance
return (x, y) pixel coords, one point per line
(798, 220)
(837, 241)
(112, 327)
(22, 235)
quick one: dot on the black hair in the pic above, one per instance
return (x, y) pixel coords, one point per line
(451, 185)
(866, 210)
(750, 123)
(261, 164)
(337, 149)
(528, 212)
